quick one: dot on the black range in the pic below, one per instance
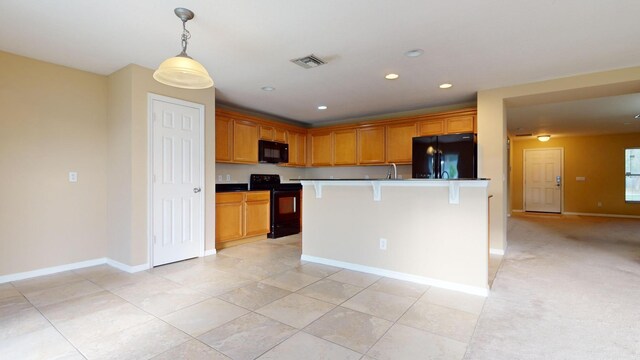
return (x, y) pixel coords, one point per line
(285, 203)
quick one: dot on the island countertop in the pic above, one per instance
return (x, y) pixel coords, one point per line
(385, 179)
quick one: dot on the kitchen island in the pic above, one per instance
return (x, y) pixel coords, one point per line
(433, 232)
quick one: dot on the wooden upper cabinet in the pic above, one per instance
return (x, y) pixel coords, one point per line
(431, 127)
(344, 147)
(460, 124)
(321, 149)
(273, 134)
(371, 145)
(279, 135)
(245, 142)
(400, 142)
(266, 132)
(224, 138)
(297, 148)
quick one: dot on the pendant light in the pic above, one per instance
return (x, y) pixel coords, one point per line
(181, 70)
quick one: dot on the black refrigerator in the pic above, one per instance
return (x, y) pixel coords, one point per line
(445, 157)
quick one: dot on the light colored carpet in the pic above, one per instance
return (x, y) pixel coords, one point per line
(568, 288)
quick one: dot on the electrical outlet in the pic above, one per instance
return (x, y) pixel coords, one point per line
(219, 178)
(383, 244)
(366, 176)
(599, 203)
(228, 177)
(73, 176)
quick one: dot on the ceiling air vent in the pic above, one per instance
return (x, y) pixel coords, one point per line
(309, 62)
(524, 134)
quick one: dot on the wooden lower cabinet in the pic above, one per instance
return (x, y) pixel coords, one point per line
(229, 216)
(240, 216)
(256, 213)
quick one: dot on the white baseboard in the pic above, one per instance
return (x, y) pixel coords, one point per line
(474, 290)
(128, 268)
(496, 251)
(209, 252)
(51, 270)
(72, 266)
(602, 215)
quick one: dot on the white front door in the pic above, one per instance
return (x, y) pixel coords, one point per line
(177, 180)
(543, 180)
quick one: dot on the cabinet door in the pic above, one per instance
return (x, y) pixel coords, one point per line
(431, 127)
(279, 135)
(245, 142)
(266, 133)
(321, 149)
(399, 142)
(229, 216)
(256, 212)
(460, 124)
(371, 145)
(297, 148)
(344, 147)
(224, 138)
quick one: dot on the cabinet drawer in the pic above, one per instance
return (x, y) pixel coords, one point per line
(230, 197)
(257, 195)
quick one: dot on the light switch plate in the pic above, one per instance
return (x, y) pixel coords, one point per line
(73, 176)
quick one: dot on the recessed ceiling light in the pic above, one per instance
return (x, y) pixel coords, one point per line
(391, 76)
(414, 53)
(268, 88)
(322, 107)
(445, 86)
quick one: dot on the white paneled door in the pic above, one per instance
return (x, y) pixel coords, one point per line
(177, 167)
(543, 180)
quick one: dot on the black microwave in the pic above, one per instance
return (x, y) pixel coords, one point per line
(272, 152)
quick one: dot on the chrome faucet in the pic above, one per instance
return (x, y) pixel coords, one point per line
(395, 171)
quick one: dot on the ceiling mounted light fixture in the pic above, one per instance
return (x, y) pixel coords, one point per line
(445, 86)
(637, 116)
(322, 107)
(391, 76)
(544, 138)
(182, 71)
(268, 88)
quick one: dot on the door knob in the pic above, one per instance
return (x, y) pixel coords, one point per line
(196, 190)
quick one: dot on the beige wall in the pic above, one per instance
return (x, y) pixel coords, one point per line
(426, 235)
(600, 159)
(492, 135)
(134, 250)
(54, 121)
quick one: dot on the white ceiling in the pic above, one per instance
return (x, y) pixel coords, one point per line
(246, 45)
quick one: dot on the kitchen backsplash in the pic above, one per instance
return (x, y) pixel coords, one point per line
(239, 173)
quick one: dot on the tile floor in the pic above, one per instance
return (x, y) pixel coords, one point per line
(252, 301)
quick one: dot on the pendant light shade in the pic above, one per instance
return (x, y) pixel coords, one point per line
(181, 70)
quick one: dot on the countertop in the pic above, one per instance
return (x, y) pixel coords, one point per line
(385, 179)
